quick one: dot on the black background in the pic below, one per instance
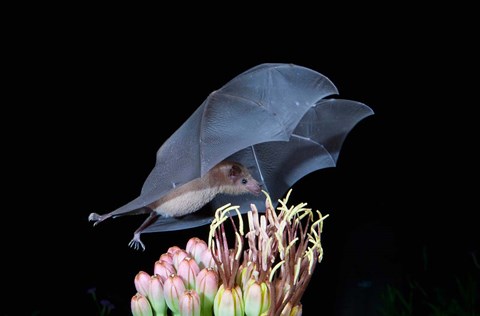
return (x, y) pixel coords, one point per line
(94, 97)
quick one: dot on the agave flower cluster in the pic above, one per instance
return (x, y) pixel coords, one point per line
(264, 271)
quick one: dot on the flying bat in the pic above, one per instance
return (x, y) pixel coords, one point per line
(264, 130)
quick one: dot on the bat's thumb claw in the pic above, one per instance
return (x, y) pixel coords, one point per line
(93, 217)
(96, 218)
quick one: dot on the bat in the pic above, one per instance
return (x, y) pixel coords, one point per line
(264, 130)
(226, 177)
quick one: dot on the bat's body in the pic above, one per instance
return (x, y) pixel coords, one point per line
(274, 120)
(225, 178)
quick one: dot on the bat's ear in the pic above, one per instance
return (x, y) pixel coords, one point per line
(235, 171)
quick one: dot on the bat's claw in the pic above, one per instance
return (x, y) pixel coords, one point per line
(97, 218)
(94, 217)
(136, 243)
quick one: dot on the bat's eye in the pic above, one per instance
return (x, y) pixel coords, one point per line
(244, 181)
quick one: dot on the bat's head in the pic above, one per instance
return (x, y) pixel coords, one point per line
(243, 180)
(238, 179)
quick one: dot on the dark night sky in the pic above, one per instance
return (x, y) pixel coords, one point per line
(105, 98)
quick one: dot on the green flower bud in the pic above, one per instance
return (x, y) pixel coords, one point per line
(256, 298)
(296, 310)
(245, 274)
(288, 310)
(228, 302)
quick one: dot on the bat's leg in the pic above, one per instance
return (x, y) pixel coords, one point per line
(97, 218)
(136, 243)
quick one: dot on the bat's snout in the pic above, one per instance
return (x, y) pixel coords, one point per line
(254, 187)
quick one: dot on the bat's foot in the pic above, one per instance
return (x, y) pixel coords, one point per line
(136, 243)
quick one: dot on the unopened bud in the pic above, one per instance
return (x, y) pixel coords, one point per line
(207, 260)
(228, 302)
(207, 286)
(195, 248)
(142, 282)
(190, 304)
(140, 306)
(168, 257)
(156, 297)
(163, 269)
(288, 310)
(256, 298)
(188, 270)
(173, 288)
(178, 256)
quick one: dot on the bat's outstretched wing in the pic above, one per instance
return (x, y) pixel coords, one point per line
(264, 104)
(314, 144)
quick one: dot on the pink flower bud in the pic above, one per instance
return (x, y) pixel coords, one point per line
(140, 306)
(188, 270)
(191, 243)
(190, 304)
(142, 282)
(173, 288)
(195, 248)
(163, 269)
(156, 297)
(168, 257)
(178, 256)
(256, 298)
(206, 286)
(173, 249)
(228, 301)
(206, 260)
